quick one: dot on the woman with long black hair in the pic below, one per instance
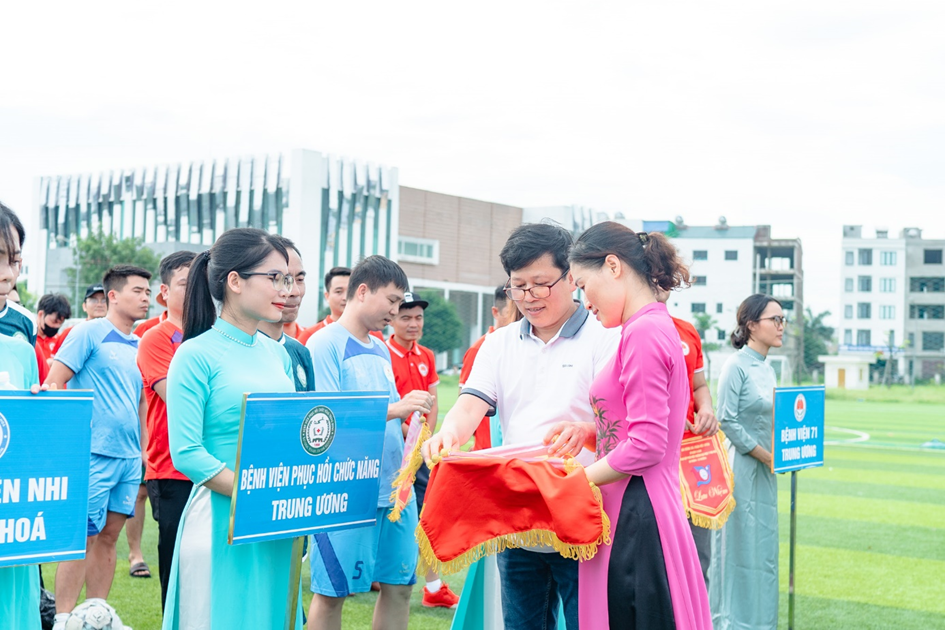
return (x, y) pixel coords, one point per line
(743, 571)
(246, 273)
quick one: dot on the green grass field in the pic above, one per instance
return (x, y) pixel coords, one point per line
(871, 526)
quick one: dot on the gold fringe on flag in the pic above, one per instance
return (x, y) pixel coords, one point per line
(407, 475)
(530, 538)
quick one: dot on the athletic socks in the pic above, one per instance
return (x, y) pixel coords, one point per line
(434, 586)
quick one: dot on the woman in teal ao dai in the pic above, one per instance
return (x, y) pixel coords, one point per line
(743, 571)
(214, 584)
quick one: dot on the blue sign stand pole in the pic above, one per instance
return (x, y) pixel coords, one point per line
(793, 543)
(797, 442)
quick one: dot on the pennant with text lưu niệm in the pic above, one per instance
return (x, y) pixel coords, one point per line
(480, 505)
(706, 480)
(417, 434)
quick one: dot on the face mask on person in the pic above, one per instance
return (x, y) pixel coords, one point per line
(49, 331)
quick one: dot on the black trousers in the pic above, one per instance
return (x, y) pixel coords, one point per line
(168, 498)
(637, 587)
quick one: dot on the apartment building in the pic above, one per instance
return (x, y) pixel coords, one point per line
(924, 350)
(892, 302)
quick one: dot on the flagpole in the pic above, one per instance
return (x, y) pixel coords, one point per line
(793, 541)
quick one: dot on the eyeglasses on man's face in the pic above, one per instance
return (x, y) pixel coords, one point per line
(278, 279)
(779, 320)
(539, 291)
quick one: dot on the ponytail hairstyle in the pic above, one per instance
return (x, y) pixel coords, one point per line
(749, 311)
(651, 256)
(240, 250)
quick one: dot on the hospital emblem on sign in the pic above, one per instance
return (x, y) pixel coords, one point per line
(423, 369)
(4, 435)
(685, 349)
(318, 430)
(800, 407)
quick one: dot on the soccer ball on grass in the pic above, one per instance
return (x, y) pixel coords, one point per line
(94, 614)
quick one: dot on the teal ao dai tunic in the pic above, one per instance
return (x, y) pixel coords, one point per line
(743, 571)
(214, 584)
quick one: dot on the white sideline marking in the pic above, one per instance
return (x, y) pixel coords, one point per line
(861, 436)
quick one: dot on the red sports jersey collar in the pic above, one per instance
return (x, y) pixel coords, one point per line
(399, 350)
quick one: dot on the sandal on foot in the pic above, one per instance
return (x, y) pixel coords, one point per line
(139, 570)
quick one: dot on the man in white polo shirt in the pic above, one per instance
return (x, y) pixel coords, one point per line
(536, 375)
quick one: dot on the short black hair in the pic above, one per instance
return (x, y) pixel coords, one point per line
(173, 262)
(501, 297)
(55, 304)
(527, 243)
(335, 272)
(287, 243)
(376, 272)
(117, 277)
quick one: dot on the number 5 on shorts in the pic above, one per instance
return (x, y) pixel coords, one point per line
(358, 566)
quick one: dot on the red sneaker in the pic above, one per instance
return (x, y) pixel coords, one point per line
(443, 598)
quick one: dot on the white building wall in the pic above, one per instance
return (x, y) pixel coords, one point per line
(727, 282)
(886, 297)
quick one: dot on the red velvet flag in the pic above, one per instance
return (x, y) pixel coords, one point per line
(479, 505)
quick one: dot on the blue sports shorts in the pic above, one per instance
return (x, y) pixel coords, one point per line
(113, 487)
(348, 561)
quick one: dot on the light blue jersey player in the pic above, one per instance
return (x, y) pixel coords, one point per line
(101, 355)
(347, 357)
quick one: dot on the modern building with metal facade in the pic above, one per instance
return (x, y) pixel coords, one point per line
(336, 210)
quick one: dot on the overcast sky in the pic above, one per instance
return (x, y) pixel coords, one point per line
(804, 115)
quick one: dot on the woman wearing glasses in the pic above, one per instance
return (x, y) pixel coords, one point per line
(743, 571)
(246, 272)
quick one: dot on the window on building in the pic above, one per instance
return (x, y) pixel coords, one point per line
(887, 312)
(718, 307)
(882, 233)
(865, 284)
(848, 337)
(933, 257)
(927, 311)
(933, 341)
(927, 285)
(887, 258)
(865, 257)
(891, 339)
(698, 281)
(848, 285)
(731, 254)
(700, 254)
(863, 310)
(910, 340)
(863, 338)
(848, 311)
(425, 251)
(887, 285)
(698, 307)
(848, 258)
(722, 334)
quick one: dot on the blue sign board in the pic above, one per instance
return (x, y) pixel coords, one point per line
(307, 463)
(45, 441)
(798, 437)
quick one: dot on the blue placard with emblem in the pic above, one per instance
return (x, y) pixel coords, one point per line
(307, 463)
(45, 441)
(798, 436)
